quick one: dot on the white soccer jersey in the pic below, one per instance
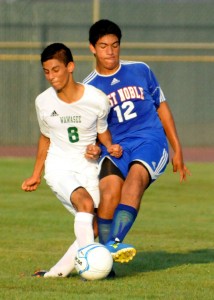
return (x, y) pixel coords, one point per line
(71, 127)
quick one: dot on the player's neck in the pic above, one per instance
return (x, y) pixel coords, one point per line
(71, 93)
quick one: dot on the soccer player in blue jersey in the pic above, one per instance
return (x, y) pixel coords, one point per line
(140, 121)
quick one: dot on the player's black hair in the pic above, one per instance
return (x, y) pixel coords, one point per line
(58, 51)
(101, 28)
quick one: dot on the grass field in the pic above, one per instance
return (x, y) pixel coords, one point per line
(173, 235)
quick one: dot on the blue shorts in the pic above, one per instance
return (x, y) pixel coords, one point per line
(152, 153)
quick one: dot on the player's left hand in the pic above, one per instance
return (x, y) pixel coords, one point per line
(115, 150)
(179, 166)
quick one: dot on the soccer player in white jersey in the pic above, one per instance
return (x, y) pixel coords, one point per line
(71, 116)
(141, 122)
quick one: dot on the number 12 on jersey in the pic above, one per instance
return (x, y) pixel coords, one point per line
(124, 112)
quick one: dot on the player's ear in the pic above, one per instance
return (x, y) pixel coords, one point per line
(92, 49)
(71, 66)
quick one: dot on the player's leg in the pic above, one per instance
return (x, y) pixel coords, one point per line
(69, 189)
(67, 263)
(63, 188)
(83, 221)
(132, 192)
(111, 181)
(83, 227)
(110, 176)
(126, 212)
(149, 161)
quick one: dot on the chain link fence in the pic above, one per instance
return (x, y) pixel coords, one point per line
(174, 37)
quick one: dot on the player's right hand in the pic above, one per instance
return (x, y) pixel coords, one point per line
(115, 150)
(93, 152)
(30, 184)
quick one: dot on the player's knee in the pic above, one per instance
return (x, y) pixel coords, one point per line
(107, 192)
(82, 201)
(106, 195)
(85, 205)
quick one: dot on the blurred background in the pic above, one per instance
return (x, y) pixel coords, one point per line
(175, 38)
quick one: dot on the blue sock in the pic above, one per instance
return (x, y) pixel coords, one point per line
(104, 226)
(123, 220)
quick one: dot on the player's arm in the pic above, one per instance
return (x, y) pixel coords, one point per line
(168, 123)
(30, 184)
(113, 149)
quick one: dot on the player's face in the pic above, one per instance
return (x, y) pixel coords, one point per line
(57, 74)
(107, 51)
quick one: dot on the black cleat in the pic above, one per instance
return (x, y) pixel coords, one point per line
(111, 275)
(39, 273)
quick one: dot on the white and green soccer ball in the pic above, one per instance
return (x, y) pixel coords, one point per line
(93, 262)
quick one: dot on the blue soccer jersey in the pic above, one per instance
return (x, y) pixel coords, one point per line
(135, 96)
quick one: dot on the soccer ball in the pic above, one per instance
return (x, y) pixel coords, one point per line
(93, 262)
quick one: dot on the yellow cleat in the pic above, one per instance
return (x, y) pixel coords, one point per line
(120, 252)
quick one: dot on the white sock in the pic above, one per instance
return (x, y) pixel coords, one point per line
(65, 265)
(83, 228)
